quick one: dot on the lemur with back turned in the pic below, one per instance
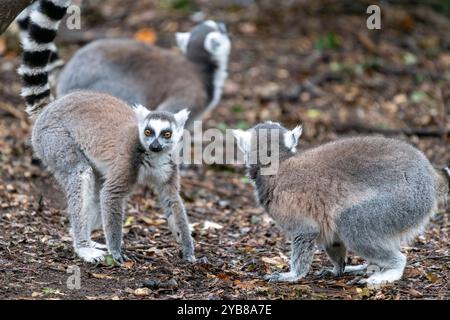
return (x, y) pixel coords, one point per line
(364, 194)
(98, 147)
(158, 78)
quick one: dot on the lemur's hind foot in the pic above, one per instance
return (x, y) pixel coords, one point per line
(282, 277)
(91, 255)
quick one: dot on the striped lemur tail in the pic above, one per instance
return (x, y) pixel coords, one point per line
(39, 24)
(23, 21)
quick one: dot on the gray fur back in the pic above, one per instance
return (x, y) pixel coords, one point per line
(403, 194)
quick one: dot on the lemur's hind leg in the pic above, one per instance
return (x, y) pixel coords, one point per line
(391, 263)
(337, 253)
(76, 176)
(112, 201)
(79, 187)
(302, 254)
(95, 221)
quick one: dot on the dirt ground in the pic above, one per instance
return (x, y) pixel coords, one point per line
(291, 62)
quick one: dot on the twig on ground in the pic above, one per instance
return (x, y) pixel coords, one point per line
(443, 257)
(8, 108)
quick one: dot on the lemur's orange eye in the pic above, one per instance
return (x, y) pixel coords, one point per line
(147, 132)
(167, 134)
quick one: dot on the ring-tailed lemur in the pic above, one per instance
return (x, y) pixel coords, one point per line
(140, 73)
(365, 194)
(98, 147)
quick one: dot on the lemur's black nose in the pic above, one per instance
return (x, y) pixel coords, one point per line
(155, 146)
(156, 149)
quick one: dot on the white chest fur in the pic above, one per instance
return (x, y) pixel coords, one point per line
(155, 169)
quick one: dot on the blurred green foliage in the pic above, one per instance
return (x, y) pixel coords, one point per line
(326, 42)
(182, 5)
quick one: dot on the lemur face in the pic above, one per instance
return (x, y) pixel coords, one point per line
(266, 138)
(208, 41)
(160, 131)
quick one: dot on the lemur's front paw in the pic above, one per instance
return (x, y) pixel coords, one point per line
(282, 277)
(190, 258)
(119, 258)
(202, 260)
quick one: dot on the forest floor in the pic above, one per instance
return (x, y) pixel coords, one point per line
(292, 64)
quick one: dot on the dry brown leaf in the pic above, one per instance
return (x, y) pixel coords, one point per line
(432, 277)
(142, 292)
(279, 262)
(415, 293)
(100, 276)
(128, 264)
(223, 276)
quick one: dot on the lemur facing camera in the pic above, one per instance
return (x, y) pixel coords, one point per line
(98, 147)
(364, 194)
(140, 73)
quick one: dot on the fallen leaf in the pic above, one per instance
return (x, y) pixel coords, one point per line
(128, 264)
(432, 277)
(109, 261)
(223, 276)
(142, 292)
(363, 292)
(147, 35)
(100, 276)
(415, 293)
(128, 222)
(245, 285)
(412, 273)
(52, 291)
(279, 262)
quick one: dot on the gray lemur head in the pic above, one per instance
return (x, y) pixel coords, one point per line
(160, 131)
(267, 143)
(207, 43)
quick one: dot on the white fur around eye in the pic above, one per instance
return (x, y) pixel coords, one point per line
(218, 45)
(158, 125)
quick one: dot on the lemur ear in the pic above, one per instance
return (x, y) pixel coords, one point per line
(222, 27)
(243, 139)
(182, 40)
(291, 137)
(181, 117)
(141, 112)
